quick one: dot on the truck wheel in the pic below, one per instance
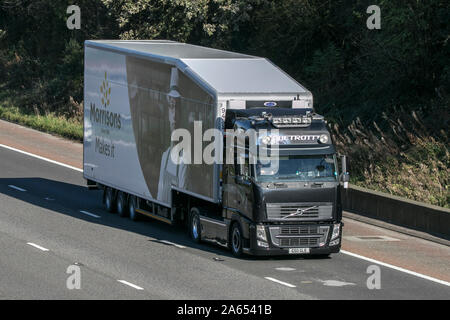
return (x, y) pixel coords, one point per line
(121, 204)
(109, 200)
(194, 225)
(132, 208)
(236, 240)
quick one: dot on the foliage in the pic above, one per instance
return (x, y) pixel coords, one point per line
(361, 79)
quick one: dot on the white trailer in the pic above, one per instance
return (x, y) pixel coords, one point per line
(137, 92)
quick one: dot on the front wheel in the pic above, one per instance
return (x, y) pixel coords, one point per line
(194, 225)
(236, 240)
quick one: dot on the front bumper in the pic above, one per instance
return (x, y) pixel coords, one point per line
(277, 247)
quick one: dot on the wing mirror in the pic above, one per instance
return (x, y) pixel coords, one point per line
(345, 176)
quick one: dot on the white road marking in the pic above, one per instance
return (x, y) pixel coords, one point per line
(284, 269)
(280, 282)
(336, 283)
(173, 244)
(41, 158)
(370, 238)
(343, 251)
(37, 246)
(397, 268)
(130, 284)
(16, 188)
(90, 214)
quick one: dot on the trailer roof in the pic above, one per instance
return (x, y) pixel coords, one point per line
(224, 71)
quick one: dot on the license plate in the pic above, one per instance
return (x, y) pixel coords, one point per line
(298, 250)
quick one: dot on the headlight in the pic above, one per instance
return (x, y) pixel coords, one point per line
(336, 230)
(323, 138)
(334, 242)
(262, 244)
(261, 232)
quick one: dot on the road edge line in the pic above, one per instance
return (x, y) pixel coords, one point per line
(41, 158)
(343, 251)
(384, 264)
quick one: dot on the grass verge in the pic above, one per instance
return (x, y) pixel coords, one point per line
(49, 123)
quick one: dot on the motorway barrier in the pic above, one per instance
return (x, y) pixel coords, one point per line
(397, 210)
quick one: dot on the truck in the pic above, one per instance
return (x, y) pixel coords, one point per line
(155, 109)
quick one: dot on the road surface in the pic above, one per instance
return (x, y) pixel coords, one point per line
(49, 221)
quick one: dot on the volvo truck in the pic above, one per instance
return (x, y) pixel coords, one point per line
(154, 109)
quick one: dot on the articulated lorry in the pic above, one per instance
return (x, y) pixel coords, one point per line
(153, 112)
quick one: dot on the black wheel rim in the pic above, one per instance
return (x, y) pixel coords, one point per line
(195, 227)
(108, 199)
(132, 209)
(236, 240)
(119, 205)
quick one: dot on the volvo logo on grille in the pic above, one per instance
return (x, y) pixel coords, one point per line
(299, 212)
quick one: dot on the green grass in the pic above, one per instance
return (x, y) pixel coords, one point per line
(50, 123)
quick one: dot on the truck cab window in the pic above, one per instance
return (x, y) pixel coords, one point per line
(298, 168)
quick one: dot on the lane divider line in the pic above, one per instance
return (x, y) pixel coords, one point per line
(396, 268)
(41, 158)
(16, 188)
(37, 246)
(173, 244)
(280, 282)
(343, 251)
(130, 284)
(89, 214)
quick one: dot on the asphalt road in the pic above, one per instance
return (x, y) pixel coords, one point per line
(43, 232)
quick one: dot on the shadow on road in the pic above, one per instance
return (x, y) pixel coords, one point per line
(69, 199)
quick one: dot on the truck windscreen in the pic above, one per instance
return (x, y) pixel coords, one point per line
(297, 168)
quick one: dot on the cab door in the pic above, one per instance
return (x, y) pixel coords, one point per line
(238, 194)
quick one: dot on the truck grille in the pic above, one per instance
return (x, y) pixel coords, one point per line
(299, 236)
(299, 242)
(299, 230)
(299, 211)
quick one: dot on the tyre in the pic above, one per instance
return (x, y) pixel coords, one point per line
(236, 240)
(110, 203)
(194, 225)
(132, 208)
(121, 204)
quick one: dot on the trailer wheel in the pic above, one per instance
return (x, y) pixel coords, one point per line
(236, 240)
(109, 200)
(194, 225)
(132, 208)
(121, 203)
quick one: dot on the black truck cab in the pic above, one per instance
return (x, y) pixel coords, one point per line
(283, 203)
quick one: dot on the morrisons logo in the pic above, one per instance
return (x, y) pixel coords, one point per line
(102, 115)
